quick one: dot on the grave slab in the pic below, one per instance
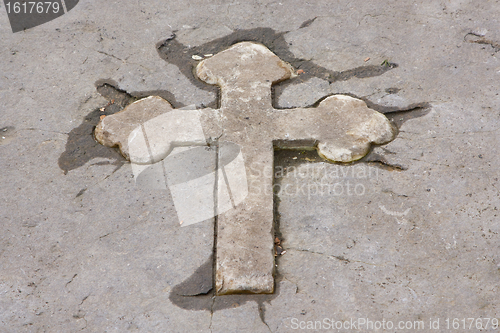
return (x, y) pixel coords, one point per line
(82, 248)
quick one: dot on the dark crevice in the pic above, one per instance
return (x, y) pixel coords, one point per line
(74, 276)
(211, 314)
(81, 192)
(383, 164)
(480, 39)
(109, 90)
(391, 91)
(84, 299)
(399, 116)
(295, 158)
(394, 193)
(262, 315)
(106, 235)
(110, 55)
(276, 211)
(81, 146)
(216, 217)
(340, 257)
(307, 23)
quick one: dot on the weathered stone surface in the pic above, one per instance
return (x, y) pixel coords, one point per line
(305, 94)
(93, 222)
(341, 128)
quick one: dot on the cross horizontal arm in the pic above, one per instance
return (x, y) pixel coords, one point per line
(342, 128)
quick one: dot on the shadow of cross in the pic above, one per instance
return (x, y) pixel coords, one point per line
(240, 193)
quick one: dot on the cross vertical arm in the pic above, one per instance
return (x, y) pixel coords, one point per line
(244, 251)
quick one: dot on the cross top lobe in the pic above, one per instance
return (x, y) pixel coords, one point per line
(244, 72)
(243, 60)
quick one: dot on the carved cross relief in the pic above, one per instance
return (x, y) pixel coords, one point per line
(158, 140)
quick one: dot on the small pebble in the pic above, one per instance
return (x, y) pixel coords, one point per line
(197, 57)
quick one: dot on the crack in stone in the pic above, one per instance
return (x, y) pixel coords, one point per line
(262, 315)
(112, 56)
(81, 192)
(307, 23)
(84, 299)
(391, 111)
(437, 164)
(212, 312)
(480, 39)
(341, 258)
(383, 164)
(394, 193)
(123, 229)
(71, 280)
(215, 143)
(86, 323)
(39, 129)
(118, 166)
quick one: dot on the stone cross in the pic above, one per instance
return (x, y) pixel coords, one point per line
(340, 128)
